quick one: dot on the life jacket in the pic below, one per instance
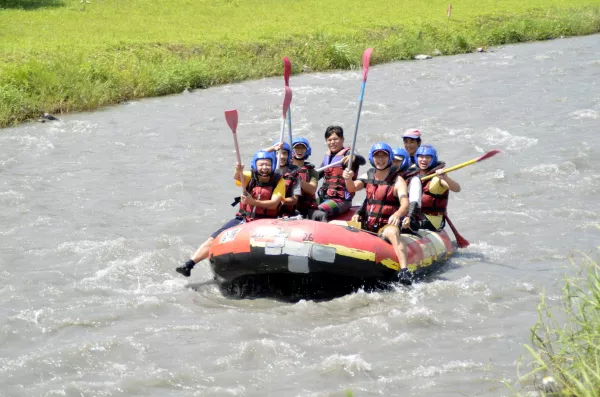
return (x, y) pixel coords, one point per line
(306, 201)
(434, 204)
(334, 185)
(290, 178)
(260, 191)
(380, 202)
(409, 173)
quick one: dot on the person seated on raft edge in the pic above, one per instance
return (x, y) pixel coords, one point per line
(289, 173)
(334, 197)
(412, 140)
(436, 190)
(386, 202)
(411, 223)
(265, 190)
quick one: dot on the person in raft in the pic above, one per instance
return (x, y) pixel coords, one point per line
(386, 201)
(411, 223)
(289, 173)
(264, 192)
(335, 199)
(412, 141)
(436, 190)
(308, 177)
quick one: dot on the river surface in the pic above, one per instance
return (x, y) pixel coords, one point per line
(97, 210)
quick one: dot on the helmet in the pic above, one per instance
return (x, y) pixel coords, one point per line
(401, 152)
(378, 147)
(286, 147)
(428, 150)
(302, 141)
(262, 155)
(412, 133)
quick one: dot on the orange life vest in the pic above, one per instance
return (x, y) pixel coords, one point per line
(260, 191)
(434, 204)
(306, 201)
(381, 202)
(334, 185)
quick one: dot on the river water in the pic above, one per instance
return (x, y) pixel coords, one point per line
(99, 208)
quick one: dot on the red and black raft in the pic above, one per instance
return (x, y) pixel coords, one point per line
(304, 258)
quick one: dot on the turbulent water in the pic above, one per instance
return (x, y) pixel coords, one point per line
(99, 208)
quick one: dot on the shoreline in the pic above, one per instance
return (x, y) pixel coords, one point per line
(83, 78)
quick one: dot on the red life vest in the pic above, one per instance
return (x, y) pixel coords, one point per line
(306, 201)
(434, 204)
(381, 202)
(334, 185)
(290, 178)
(260, 191)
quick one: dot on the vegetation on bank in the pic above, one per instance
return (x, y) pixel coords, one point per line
(566, 348)
(71, 55)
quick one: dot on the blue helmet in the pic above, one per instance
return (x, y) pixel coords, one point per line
(302, 141)
(428, 150)
(262, 155)
(401, 152)
(378, 147)
(286, 147)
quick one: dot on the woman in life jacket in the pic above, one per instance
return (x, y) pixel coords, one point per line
(308, 178)
(264, 192)
(436, 190)
(411, 223)
(289, 173)
(412, 140)
(334, 198)
(386, 202)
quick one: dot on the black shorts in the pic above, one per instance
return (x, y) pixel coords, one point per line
(238, 220)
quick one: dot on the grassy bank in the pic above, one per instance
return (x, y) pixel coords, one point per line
(566, 348)
(69, 55)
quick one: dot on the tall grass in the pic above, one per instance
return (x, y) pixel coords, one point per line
(67, 55)
(565, 349)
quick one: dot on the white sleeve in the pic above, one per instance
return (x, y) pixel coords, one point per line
(415, 190)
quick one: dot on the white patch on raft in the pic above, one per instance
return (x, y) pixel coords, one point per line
(298, 264)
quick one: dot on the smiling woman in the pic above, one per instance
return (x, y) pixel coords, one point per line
(56, 56)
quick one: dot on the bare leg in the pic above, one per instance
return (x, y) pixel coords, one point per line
(200, 254)
(392, 233)
(202, 251)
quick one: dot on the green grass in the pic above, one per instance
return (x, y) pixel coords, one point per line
(567, 349)
(67, 55)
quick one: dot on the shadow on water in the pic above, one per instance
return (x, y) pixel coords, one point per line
(295, 287)
(319, 287)
(30, 4)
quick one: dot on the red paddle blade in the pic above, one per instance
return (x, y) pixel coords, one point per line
(287, 99)
(287, 70)
(365, 62)
(489, 154)
(461, 242)
(231, 116)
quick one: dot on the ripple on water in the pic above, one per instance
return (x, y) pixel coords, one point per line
(349, 367)
(499, 138)
(584, 114)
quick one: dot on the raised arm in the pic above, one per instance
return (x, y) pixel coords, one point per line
(352, 186)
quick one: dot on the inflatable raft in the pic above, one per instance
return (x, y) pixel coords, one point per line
(312, 259)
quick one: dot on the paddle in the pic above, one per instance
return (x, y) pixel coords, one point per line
(366, 60)
(329, 166)
(287, 99)
(460, 240)
(287, 70)
(456, 167)
(231, 116)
